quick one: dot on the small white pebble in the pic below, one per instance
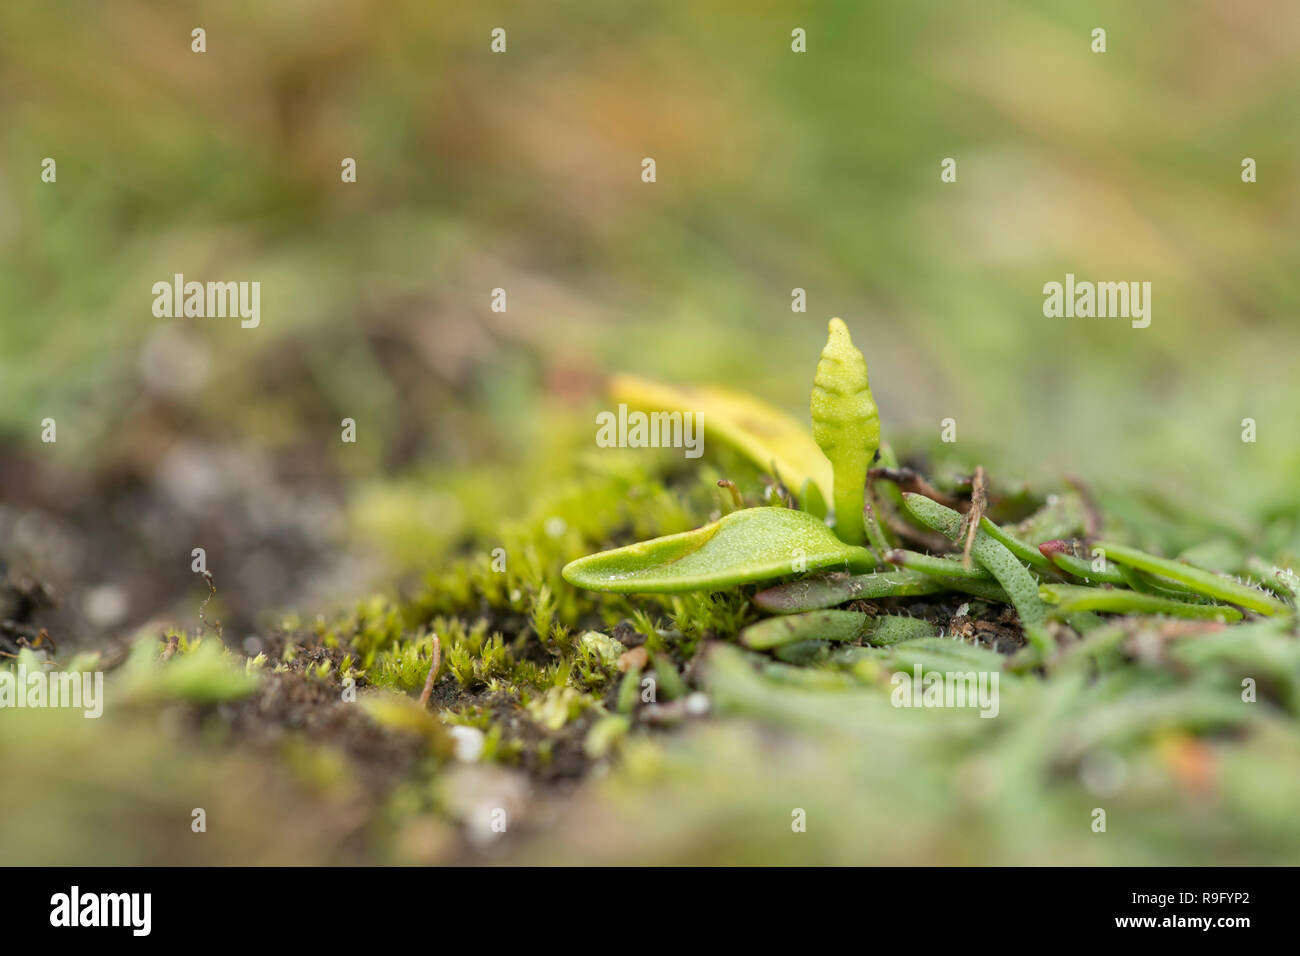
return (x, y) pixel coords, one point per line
(106, 605)
(1103, 773)
(469, 743)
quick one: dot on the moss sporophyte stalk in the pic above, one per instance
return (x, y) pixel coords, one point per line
(810, 559)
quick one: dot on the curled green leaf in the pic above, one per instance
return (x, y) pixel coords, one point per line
(846, 426)
(756, 544)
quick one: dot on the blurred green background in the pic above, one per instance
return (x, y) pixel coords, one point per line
(775, 170)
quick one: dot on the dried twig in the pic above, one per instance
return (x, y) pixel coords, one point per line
(212, 592)
(931, 541)
(979, 500)
(909, 480)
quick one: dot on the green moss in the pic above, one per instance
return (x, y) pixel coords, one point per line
(198, 670)
(558, 706)
(403, 666)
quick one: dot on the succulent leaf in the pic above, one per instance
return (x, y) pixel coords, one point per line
(755, 544)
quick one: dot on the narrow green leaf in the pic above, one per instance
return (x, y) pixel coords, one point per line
(748, 546)
(1203, 582)
(939, 567)
(671, 684)
(817, 625)
(821, 591)
(1061, 554)
(800, 652)
(959, 651)
(976, 581)
(896, 629)
(628, 690)
(1137, 580)
(1069, 598)
(1029, 555)
(881, 629)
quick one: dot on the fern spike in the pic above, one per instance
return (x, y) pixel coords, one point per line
(846, 427)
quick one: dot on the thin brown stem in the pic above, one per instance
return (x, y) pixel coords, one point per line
(735, 492)
(433, 673)
(979, 500)
(909, 480)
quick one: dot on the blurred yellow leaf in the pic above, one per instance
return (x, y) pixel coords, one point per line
(766, 435)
